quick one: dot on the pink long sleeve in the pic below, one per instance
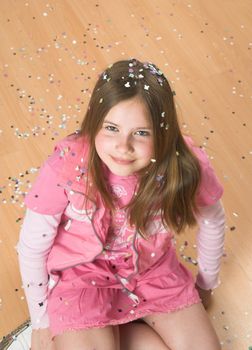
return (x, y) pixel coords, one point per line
(36, 239)
(210, 244)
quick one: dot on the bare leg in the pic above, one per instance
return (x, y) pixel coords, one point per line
(89, 339)
(140, 336)
(189, 328)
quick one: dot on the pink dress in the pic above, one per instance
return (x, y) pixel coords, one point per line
(106, 291)
(90, 296)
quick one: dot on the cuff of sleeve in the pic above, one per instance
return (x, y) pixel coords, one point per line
(206, 281)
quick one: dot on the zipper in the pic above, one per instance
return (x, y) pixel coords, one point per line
(68, 224)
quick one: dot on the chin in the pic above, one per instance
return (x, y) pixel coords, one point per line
(120, 171)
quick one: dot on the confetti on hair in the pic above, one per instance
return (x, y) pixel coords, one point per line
(133, 63)
(106, 77)
(152, 69)
(127, 85)
(101, 100)
(146, 87)
(155, 71)
(160, 178)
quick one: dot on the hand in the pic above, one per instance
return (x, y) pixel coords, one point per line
(205, 296)
(42, 339)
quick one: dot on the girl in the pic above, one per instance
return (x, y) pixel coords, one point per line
(96, 249)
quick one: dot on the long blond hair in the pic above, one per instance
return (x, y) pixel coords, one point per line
(167, 186)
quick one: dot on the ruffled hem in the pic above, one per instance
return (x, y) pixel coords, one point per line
(114, 322)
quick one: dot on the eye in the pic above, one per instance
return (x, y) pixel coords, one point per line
(142, 133)
(110, 128)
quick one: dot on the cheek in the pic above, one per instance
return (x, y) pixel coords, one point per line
(98, 143)
(149, 149)
(101, 143)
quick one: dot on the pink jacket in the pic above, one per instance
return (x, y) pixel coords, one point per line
(82, 232)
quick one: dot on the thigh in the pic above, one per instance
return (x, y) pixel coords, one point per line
(188, 328)
(140, 336)
(106, 338)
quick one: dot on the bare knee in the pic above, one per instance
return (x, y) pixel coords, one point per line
(186, 328)
(88, 339)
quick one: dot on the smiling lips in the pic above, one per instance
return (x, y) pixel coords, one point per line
(122, 161)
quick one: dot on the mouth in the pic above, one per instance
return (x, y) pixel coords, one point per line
(122, 161)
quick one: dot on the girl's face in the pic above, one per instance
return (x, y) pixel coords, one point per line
(125, 141)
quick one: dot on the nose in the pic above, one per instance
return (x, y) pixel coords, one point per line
(124, 144)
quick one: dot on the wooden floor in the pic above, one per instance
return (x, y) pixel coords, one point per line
(50, 55)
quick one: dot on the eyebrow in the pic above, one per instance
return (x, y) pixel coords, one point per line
(139, 127)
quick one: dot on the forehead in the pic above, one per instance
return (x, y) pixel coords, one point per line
(131, 111)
